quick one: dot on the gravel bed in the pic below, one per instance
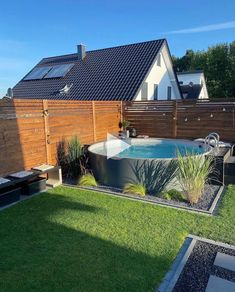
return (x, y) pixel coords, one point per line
(203, 204)
(200, 266)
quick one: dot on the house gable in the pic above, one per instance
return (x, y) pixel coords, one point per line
(162, 76)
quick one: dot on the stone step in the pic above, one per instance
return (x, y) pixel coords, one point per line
(229, 179)
(225, 261)
(216, 284)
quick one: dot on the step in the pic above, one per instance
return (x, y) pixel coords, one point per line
(230, 160)
(229, 166)
(229, 179)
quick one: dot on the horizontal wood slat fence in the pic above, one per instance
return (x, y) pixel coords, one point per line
(31, 129)
(183, 119)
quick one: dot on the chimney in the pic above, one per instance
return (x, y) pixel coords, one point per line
(81, 50)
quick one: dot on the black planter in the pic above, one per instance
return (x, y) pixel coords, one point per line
(33, 187)
(9, 196)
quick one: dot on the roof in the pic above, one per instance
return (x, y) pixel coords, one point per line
(190, 72)
(191, 91)
(107, 74)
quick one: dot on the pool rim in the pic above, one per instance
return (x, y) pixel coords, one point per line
(152, 139)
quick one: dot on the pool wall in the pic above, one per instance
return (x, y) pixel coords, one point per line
(116, 172)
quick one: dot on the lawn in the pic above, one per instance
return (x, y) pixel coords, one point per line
(73, 240)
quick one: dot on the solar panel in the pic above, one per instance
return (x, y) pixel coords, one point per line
(38, 73)
(59, 71)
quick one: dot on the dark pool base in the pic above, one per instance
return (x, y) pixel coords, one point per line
(157, 174)
(117, 172)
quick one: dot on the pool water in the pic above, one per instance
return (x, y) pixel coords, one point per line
(161, 150)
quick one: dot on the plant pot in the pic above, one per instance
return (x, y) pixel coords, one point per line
(9, 196)
(35, 186)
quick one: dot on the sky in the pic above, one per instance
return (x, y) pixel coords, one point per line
(31, 30)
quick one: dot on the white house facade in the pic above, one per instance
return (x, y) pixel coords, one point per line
(160, 82)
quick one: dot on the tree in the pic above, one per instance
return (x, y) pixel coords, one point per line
(218, 65)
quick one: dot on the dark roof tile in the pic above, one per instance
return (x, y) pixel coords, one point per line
(106, 74)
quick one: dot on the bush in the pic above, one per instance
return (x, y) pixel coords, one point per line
(173, 194)
(136, 189)
(192, 174)
(88, 180)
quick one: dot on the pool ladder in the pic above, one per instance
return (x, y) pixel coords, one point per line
(212, 136)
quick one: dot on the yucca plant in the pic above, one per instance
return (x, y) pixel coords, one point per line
(88, 180)
(136, 189)
(193, 173)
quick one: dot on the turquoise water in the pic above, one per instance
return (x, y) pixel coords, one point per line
(162, 150)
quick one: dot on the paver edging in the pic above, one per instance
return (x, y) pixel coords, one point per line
(211, 211)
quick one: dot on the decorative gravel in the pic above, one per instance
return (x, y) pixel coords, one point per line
(200, 266)
(203, 204)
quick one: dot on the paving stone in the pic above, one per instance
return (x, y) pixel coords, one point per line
(216, 284)
(225, 261)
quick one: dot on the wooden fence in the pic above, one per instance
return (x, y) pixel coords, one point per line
(31, 129)
(183, 119)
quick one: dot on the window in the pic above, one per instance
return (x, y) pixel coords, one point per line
(155, 96)
(59, 71)
(38, 73)
(144, 91)
(168, 92)
(159, 60)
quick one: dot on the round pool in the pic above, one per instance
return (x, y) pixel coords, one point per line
(117, 162)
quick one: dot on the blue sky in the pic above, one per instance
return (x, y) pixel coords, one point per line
(31, 29)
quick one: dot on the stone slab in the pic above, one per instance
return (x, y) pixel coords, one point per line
(216, 284)
(225, 261)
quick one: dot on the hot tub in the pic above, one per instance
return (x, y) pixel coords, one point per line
(152, 161)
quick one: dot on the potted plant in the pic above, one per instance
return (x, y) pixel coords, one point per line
(125, 125)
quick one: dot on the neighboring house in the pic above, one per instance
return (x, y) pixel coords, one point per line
(141, 71)
(193, 85)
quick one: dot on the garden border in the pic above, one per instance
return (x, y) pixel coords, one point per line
(212, 210)
(180, 261)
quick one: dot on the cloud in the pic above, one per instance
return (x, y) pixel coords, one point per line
(206, 28)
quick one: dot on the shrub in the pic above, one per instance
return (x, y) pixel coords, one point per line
(88, 180)
(192, 174)
(137, 189)
(173, 194)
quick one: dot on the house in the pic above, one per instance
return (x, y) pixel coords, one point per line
(141, 71)
(193, 84)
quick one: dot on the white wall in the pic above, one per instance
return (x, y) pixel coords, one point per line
(163, 76)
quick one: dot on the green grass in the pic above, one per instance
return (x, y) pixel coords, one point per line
(73, 240)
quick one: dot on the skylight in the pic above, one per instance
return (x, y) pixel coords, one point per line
(38, 73)
(59, 71)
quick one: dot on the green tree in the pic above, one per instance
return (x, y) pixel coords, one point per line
(218, 65)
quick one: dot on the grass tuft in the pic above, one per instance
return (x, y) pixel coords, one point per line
(136, 189)
(193, 172)
(88, 180)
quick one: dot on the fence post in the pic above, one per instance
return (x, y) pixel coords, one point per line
(174, 124)
(47, 130)
(121, 111)
(94, 123)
